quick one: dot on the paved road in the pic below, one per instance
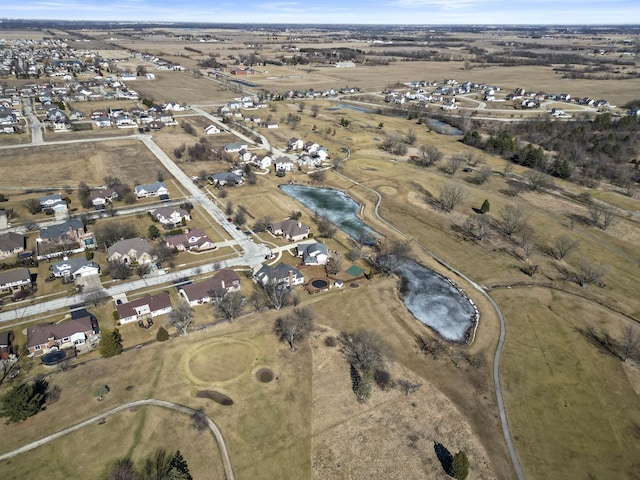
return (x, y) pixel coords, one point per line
(498, 353)
(33, 121)
(226, 462)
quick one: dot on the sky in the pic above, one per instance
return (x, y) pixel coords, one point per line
(422, 12)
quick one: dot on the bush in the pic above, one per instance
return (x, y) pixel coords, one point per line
(330, 341)
(101, 391)
(383, 379)
(162, 335)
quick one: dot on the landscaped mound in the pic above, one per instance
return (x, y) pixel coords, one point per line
(264, 375)
(217, 397)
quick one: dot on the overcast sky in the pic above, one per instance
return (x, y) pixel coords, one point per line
(333, 11)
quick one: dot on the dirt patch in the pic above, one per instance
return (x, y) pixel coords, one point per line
(264, 375)
(217, 397)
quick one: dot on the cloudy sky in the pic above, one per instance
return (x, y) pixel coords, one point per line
(333, 11)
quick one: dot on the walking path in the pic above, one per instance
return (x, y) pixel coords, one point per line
(151, 401)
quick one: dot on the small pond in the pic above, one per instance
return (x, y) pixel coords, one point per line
(442, 127)
(436, 302)
(334, 205)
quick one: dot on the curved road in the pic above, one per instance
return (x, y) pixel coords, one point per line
(150, 401)
(498, 353)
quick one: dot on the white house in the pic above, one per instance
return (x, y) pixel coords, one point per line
(285, 165)
(263, 162)
(281, 274)
(223, 282)
(313, 253)
(146, 307)
(151, 189)
(74, 268)
(170, 216)
(211, 130)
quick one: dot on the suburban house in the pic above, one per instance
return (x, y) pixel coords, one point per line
(81, 331)
(292, 230)
(245, 155)
(313, 253)
(263, 162)
(226, 178)
(71, 230)
(235, 147)
(11, 243)
(74, 268)
(170, 217)
(191, 240)
(222, 282)
(50, 201)
(130, 251)
(144, 308)
(280, 274)
(284, 165)
(272, 125)
(6, 344)
(102, 196)
(14, 280)
(151, 190)
(211, 129)
(295, 144)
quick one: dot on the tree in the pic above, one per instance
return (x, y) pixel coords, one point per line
(162, 335)
(392, 254)
(481, 176)
(228, 208)
(277, 295)
(584, 274)
(110, 343)
(326, 229)
(333, 266)
(109, 232)
(563, 246)
(153, 232)
(318, 176)
(630, 346)
(475, 227)
(429, 155)
(608, 217)
(163, 252)
(537, 180)
(453, 165)
(142, 269)
(240, 218)
(364, 349)
(229, 306)
(486, 206)
(181, 317)
(32, 205)
(23, 400)
(512, 219)
(314, 110)
(179, 468)
(410, 137)
(460, 466)
(451, 195)
(123, 469)
(295, 326)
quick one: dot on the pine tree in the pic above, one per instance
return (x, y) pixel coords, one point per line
(485, 206)
(179, 468)
(23, 400)
(460, 466)
(162, 335)
(110, 343)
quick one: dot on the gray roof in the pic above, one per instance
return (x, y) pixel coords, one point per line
(15, 275)
(227, 177)
(150, 187)
(71, 265)
(57, 231)
(56, 197)
(311, 250)
(10, 241)
(280, 272)
(140, 245)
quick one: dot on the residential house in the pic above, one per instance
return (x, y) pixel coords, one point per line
(14, 280)
(102, 196)
(156, 125)
(292, 230)
(11, 243)
(144, 308)
(264, 162)
(311, 147)
(74, 268)
(309, 162)
(194, 239)
(235, 147)
(170, 217)
(6, 344)
(221, 283)
(71, 230)
(226, 178)
(81, 332)
(245, 155)
(281, 274)
(313, 253)
(211, 129)
(50, 201)
(102, 122)
(4, 219)
(130, 251)
(283, 165)
(295, 144)
(272, 125)
(151, 190)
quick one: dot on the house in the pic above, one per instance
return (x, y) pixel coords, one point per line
(156, 125)
(295, 144)
(211, 130)
(272, 125)
(81, 332)
(313, 253)
(284, 165)
(50, 201)
(14, 280)
(102, 122)
(144, 308)
(292, 230)
(194, 239)
(280, 274)
(151, 190)
(263, 163)
(226, 178)
(74, 268)
(71, 230)
(130, 251)
(310, 147)
(245, 155)
(102, 196)
(6, 344)
(170, 217)
(235, 147)
(221, 283)
(11, 243)
(4, 219)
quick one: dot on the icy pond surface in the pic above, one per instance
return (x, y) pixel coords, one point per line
(432, 299)
(444, 128)
(436, 302)
(334, 205)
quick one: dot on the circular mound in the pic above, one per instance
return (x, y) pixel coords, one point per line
(264, 375)
(319, 283)
(354, 285)
(220, 362)
(217, 397)
(53, 358)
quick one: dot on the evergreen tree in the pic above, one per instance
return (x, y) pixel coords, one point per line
(162, 335)
(23, 400)
(110, 343)
(460, 466)
(179, 468)
(485, 206)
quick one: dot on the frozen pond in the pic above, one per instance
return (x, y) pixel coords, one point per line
(334, 205)
(442, 127)
(436, 302)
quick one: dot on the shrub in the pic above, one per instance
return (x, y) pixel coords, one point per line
(383, 379)
(330, 341)
(162, 335)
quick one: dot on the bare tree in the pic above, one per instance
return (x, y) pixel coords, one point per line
(337, 161)
(315, 108)
(317, 177)
(454, 164)
(451, 195)
(334, 265)
(537, 180)
(354, 254)
(228, 208)
(595, 212)
(295, 326)
(408, 387)
(584, 273)
(229, 306)
(630, 345)
(563, 246)
(526, 240)
(608, 217)
(429, 155)
(481, 176)
(123, 469)
(392, 254)
(410, 137)
(364, 349)
(181, 317)
(475, 227)
(277, 295)
(512, 219)
(429, 346)
(199, 421)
